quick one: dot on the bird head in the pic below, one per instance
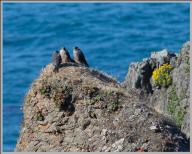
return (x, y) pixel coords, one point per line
(76, 48)
(63, 48)
(56, 51)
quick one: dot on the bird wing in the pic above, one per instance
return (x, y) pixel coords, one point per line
(81, 56)
(54, 58)
(67, 53)
(59, 59)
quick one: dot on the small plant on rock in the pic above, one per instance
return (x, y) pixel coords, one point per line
(60, 95)
(113, 106)
(39, 116)
(180, 116)
(174, 108)
(186, 60)
(27, 98)
(89, 91)
(45, 87)
(98, 98)
(187, 70)
(58, 90)
(113, 98)
(161, 76)
(87, 102)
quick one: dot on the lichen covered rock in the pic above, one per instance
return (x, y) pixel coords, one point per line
(175, 95)
(80, 109)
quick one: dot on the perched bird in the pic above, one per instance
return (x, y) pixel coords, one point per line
(79, 56)
(65, 56)
(56, 61)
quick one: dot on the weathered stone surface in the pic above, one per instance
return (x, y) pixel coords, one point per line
(140, 73)
(106, 117)
(139, 76)
(157, 98)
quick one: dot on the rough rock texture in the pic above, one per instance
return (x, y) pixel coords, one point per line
(140, 73)
(181, 82)
(80, 110)
(139, 79)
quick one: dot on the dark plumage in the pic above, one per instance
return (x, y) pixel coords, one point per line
(79, 56)
(65, 56)
(56, 61)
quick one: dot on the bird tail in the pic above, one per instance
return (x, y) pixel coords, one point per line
(56, 69)
(86, 64)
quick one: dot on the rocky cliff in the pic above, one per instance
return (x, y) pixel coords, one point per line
(81, 109)
(173, 100)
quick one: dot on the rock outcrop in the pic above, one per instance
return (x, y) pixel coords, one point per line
(139, 79)
(139, 76)
(80, 109)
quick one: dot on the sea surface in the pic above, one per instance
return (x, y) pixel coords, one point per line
(111, 35)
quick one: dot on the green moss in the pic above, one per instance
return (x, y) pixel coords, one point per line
(27, 99)
(98, 98)
(39, 116)
(120, 100)
(109, 99)
(113, 106)
(174, 108)
(45, 87)
(187, 70)
(186, 60)
(107, 93)
(173, 101)
(87, 103)
(180, 116)
(57, 90)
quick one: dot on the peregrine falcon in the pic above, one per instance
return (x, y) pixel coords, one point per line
(65, 56)
(79, 56)
(56, 61)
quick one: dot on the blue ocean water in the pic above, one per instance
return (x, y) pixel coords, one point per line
(111, 35)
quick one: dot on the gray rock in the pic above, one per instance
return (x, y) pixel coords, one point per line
(122, 130)
(139, 79)
(139, 76)
(161, 57)
(154, 128)
(185, 127)
(85, 124)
